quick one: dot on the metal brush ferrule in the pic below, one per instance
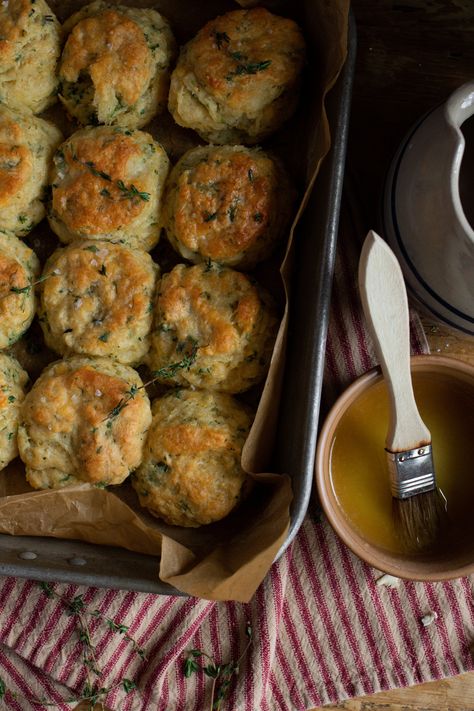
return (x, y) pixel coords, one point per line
(411, 472)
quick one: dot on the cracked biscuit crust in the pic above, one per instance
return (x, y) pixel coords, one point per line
(30, 45)
(75, 427)
(27, 144)
(97, 300)
(229, 204)
(229, 318)
(107, 184)
(238, 79)
(115, 65)
(191, 473)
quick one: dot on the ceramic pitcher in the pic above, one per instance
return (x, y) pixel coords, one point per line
(424, 219)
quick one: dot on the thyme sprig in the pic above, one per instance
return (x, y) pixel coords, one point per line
(168, 371)
(92, 692)
(130, 192)
(243, 65)
(26, 289)
(221, 674)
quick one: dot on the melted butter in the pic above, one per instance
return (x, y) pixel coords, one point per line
(358, 464)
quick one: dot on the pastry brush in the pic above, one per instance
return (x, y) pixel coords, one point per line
(419, 508)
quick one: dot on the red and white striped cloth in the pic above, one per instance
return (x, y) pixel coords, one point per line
(323, 630)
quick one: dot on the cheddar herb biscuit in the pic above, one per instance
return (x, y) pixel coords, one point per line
(115, 65)
(229, 204)
(227, 317)
(13, 380)
(97, 299)
(30, 38)
(237, 80)
(191, 473)
(107, 184)
(19, 268)
(74, 428)
(26, 146)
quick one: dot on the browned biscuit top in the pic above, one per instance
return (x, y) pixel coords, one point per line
(223, 204)
(113, 50)
(191, 439)
(184, 301)
(95, 299)
(13, 278)
(91, 195)
(15, 169)
(15, 160)
(241, 54)
(13, 18)
(82, 399)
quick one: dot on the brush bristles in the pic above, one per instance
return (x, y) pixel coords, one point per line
(420, 519)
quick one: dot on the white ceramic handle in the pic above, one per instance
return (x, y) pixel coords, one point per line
(460, 105)
(385, 304)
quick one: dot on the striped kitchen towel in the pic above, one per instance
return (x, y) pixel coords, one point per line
(318, 630)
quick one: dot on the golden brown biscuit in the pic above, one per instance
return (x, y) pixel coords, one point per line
(30, 39)
(220, 319)
(229, 204)
(19, 268)
(237, 80)
(115, 65)
(191, 473)
(84, 420)
(97, 299)
(13, 380)
(26, 146)
(107, 184)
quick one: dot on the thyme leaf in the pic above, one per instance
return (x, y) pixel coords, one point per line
(243, 69)
(221, 674)
(221, 38)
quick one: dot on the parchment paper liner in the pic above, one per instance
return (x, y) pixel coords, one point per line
(227, 560)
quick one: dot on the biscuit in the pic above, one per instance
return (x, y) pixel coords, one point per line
(217, 318)
(13, 380)
(115, 66)
(19, 268)
(30, 45)
(107, 184)
(27, 144)
(191, 473)
(238, 79)
(84, 420)
(97, 299)
(229, 204)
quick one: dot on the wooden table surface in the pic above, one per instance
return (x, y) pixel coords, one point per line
(411, 55)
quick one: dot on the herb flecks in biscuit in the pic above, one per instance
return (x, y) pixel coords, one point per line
(229, 204)
(30, 37)
(230, 318)
(97, 300)
(114, 68)
(65, 436)
(238, 79)
(27, 144)
(13, 380)
(107, 184)
(191, 473)
(19, 268)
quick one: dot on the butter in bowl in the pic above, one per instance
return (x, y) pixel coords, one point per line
(353, 481)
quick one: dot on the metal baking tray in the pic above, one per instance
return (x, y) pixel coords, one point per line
(50, 559)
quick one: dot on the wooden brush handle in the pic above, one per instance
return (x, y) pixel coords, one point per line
(384, 300)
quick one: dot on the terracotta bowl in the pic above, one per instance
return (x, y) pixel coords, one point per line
(456, 557)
